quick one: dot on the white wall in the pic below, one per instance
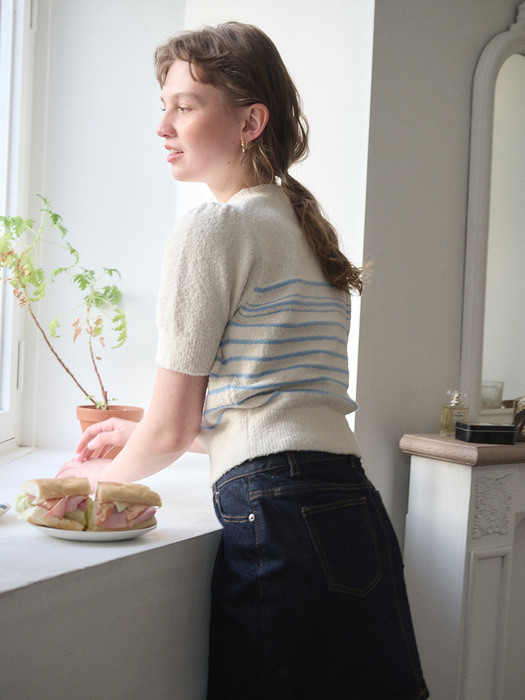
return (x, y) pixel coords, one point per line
(425, 53)
(98, 160)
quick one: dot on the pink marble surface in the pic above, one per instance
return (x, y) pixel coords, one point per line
(472, 454)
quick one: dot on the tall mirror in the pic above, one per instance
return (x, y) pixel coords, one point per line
(493, 360)
(503, 362)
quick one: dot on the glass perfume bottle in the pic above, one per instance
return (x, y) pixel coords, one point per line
(455, 410)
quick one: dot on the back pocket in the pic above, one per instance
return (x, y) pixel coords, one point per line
(346, 545)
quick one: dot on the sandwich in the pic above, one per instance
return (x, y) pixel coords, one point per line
(58, 503)
(123, 506)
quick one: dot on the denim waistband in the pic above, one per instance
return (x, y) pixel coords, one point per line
(291, 460)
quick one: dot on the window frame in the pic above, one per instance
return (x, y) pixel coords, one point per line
(15, 57)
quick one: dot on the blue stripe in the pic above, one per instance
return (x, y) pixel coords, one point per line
(302, 339)
(257, 375)
(314, 297)
(253, 314)
(260, 388)
(313, 306)
(271, 396)
(275, 358)
(309, 297)
(287, 283)
(247, 313)
(304, 324)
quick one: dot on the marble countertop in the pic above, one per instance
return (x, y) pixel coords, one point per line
(471, 454)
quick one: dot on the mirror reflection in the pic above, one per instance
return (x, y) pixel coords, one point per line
(503, 368)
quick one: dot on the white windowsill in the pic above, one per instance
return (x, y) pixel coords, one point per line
(109, 619)
(29, 555)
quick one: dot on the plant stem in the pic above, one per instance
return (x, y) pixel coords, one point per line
(93, 360)
(38, 235)
(28, 303)
(104, 392)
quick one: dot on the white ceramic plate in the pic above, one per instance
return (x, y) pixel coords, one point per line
(4, 507)
(87, 536)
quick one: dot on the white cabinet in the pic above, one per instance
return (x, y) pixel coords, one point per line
(465, 566)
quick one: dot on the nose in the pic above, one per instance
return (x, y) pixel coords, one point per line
(165, 129)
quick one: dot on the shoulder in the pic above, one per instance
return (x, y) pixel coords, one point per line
(207, 226)
(262, 202)
(207, 217)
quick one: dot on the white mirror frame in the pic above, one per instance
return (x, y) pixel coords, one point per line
(493, 57)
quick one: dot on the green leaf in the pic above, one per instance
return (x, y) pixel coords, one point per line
(111, 271)
(113, 295)
(53, 327)
(120, 326)
(84, 279)
(74, 253)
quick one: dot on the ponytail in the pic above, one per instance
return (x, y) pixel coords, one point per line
(322, 238)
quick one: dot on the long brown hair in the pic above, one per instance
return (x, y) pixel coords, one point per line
(244, 63)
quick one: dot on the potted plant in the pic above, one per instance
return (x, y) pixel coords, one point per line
(99, 306)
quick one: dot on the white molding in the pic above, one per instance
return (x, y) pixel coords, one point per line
(483, 641)
(493, 57)
(464, 571)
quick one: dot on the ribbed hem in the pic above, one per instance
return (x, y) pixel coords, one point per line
(302, 429)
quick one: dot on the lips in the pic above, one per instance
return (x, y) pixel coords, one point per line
(173, 154)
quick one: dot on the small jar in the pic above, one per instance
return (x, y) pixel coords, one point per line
(454, 411)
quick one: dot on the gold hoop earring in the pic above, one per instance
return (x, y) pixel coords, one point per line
(244, 146)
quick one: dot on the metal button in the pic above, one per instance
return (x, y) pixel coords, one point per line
(251, 517)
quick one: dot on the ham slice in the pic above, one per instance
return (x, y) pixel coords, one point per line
(102, 513)
(108, 517)
(59, 507)
(145, 515)
(116, 521)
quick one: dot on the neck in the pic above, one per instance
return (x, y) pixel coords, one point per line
(223, 194)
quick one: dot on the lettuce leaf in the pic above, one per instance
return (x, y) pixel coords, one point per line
(22, 502)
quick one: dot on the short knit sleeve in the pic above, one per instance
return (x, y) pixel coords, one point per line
(207, 263)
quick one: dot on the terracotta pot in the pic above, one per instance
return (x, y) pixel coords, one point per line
(87, 415)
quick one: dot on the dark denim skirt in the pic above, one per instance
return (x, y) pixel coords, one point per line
(308, 595)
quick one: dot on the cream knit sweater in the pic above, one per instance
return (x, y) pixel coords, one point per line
(243, 300)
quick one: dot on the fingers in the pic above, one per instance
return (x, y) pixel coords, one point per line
(93, 470)
(98, 446)
(103, 451)
(99, 438)
(73, 468)
(68, 469)
(93, 430)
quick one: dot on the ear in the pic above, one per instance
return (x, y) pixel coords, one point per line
(256, 119)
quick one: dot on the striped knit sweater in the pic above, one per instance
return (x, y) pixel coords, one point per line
(243, 300)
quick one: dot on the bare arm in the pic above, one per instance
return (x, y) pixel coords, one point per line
(197, 446)
(168, 429)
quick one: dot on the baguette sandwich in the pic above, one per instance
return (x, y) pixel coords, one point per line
(57, 503)
(123, 506)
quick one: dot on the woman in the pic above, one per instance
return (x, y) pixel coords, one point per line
(308, 597)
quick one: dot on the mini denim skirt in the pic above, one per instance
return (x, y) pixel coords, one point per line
(308, 595)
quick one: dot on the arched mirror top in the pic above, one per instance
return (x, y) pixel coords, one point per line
(497, 51)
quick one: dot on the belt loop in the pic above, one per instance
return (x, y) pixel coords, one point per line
(292, 463)
(355, 462)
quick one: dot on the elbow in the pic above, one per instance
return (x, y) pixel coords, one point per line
(174, 440)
